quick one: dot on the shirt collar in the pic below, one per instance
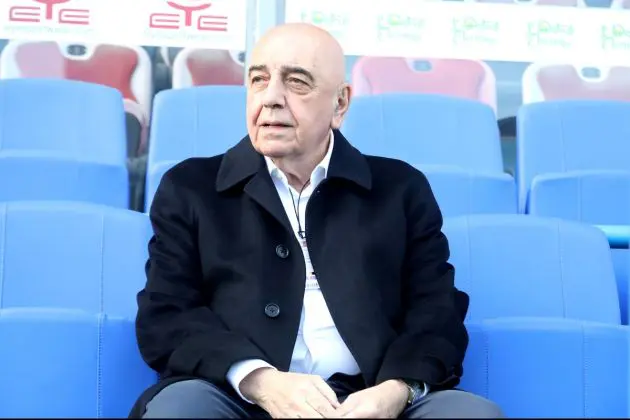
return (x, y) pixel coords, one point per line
(318, 174)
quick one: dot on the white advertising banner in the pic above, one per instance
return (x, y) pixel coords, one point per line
(468, 30)
(218, 24)
(403, 28)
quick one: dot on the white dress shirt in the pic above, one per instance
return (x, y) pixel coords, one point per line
(319, 349)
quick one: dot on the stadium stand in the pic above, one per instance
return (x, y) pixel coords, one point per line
(572, 163)
(72, 255)
(62, 140)
(549, 306)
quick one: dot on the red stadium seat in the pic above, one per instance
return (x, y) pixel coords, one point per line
(469, 79)
(565, 81)
(201, 67)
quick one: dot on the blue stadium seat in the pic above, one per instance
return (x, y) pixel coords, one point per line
(69, 364)
(62, 140)
(192, 122)
(426, 130)
(572, 157)
(460, 192)
(549, 368)
(573, 162)
(72, 255)
(454, 141)
(526, 266)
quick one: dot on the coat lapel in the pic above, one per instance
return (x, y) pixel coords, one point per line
(243, 167)
(262, 190)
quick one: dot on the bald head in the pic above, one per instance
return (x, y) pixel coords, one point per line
(296, 92)
(306, 45)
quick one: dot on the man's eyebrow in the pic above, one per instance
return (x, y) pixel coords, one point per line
(258, 67)
(299, 70)
(286, 70)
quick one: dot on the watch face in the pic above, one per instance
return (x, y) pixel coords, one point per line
(415, 391)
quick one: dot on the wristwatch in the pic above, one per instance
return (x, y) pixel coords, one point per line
(417, 391)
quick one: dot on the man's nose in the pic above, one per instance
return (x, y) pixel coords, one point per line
(274, 96)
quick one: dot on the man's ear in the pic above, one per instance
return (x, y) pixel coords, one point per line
(341, 105)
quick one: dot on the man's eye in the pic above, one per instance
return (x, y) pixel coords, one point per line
(295, 80)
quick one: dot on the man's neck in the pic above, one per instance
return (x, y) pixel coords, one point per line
(298, 173)
(298, 170)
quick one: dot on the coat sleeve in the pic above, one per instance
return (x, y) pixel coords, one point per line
(177, 332)
(432, 340)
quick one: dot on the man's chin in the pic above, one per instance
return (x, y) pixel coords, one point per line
(274, 151)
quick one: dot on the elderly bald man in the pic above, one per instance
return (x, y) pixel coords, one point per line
(259, 305)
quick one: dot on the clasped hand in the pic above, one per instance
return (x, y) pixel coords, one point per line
(291, 395)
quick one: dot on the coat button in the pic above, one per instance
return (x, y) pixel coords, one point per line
(282, 251)
(272, 310)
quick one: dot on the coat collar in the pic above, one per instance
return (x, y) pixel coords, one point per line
(242, 161)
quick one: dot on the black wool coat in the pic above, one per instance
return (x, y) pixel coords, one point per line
(225, 275)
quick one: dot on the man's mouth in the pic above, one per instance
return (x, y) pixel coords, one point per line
(276, 124)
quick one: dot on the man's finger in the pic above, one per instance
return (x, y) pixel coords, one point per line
(305, 411)
(346, 408)
(321, 404)
(327, 392)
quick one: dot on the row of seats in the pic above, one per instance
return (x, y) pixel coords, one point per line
(70, 364)
(140, 72)
(474, 79)
(560, 144)
(571, 154)
(544, 318)
(90, 257)
(132, 70)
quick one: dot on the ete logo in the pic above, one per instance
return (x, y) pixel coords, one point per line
(50, 10)
(189, 14)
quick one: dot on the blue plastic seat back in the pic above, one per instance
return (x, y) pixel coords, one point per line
(72, 255)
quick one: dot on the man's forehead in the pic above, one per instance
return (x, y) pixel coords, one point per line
(285, 55)
(304, 49)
